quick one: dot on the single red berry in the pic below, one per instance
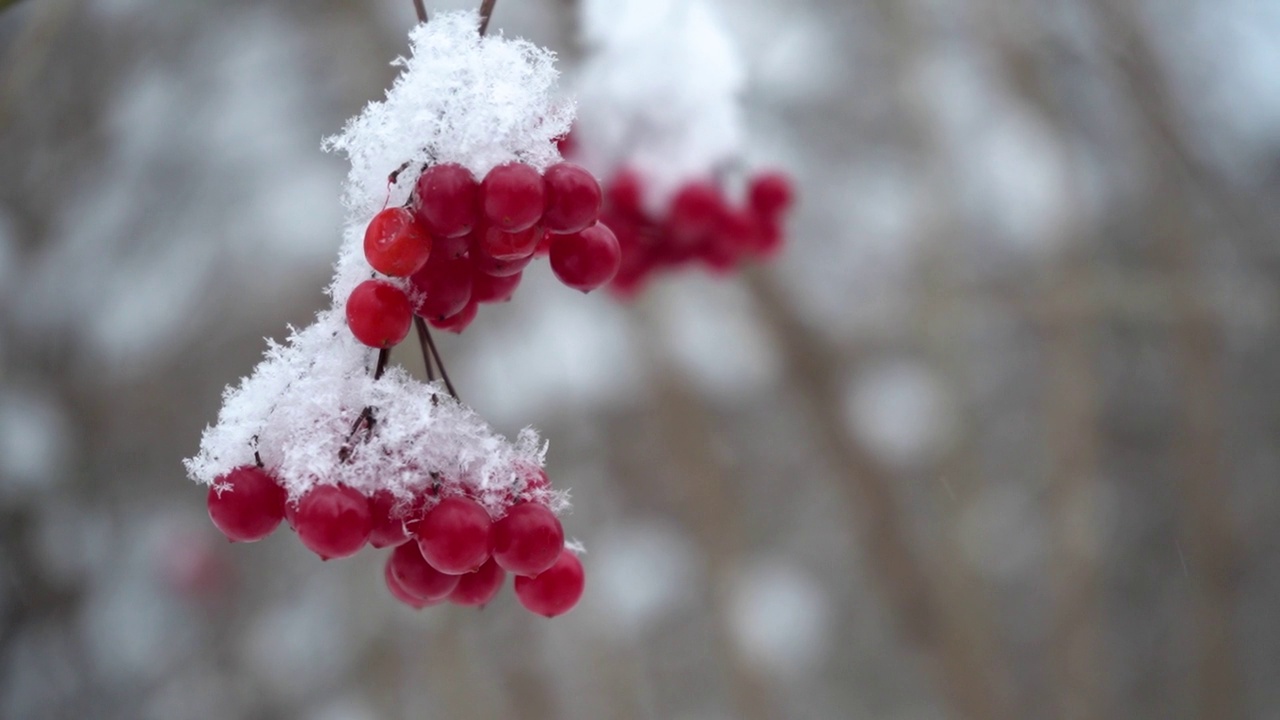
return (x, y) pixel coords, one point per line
(379, 313)
(501, 245)
(490, 289)
(454, 536)
(512, 196)
(446, 200)
(388, 526)
(694, 213)
(445, 284)
(556, 590)
(333, 521)
(626, 194)
(458, 322)
(417, 577)
(574, 198)
(588, 259)
(395, 244)
(770, 194)
(479, 587)
(528, 539)
(398, 591)
(246, 504)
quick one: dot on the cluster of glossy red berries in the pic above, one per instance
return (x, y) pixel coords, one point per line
(446, 548)
(701, 225)
(460, 243)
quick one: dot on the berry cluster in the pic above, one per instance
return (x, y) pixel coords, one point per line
(446, 548)
(460, 243)
(701, 225)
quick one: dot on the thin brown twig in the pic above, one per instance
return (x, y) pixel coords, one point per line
(421, 327)
(421, 9)
(430, 351)
(486, 10)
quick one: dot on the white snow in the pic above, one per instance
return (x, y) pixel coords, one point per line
(780, 617)
(659, 93)
(460, 98)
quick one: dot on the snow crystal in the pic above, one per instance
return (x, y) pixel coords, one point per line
(463, 98)
(659, 94)
(477, 101)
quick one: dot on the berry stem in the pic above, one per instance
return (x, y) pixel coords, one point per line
(422, 344)
(486, 10)
(421, 10)
(383, 356)
(424, 336)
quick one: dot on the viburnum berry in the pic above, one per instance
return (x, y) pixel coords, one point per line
(489, 289)
(446, 200)
(399, 593)
(417, 577)
(379, 313)
(695, 210)
(388, 528)
(512, 196)
(445, 284)
(479, 587)
(459, 321)
(502, 245)
(333, 521)
(770, 193)
(454, 535)
(528, 539)
(395, 244)
(554, 591)
(246, 504)
(498, 268)
(588, 259)
(573, 198)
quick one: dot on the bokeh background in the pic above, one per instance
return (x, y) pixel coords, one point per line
(995, 437)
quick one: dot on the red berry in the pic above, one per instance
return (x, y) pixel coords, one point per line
(512, 196)
(770, 194)
(395, 244)
(458, 322)
(626, 194)
(454, 536)
(498, 268)
(246, 504)
(445, 284)
(490, 289)
(588, 259)
(501, 245)
(333, 521)
(446, 200)
(479, 587)
(566, 143)
(379, 313)
(398, 591)
(695, 212)
(573, 198)
(417, 577)
(528, 539)
(388, 525)
(555, 591)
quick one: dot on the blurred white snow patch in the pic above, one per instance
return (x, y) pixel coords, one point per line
(791, 52)
(714, 338)
(901, 412)
(464, 98)
(346, 707)
(641, 572)
(1016, 183)
(305, 643)
(34, 442)
(1001, 532)
(554, 351)
(658, 93)
(780, 617)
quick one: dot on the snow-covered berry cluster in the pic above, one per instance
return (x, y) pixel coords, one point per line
(352, 451)
(462, 242)
(701, 224)
(662, 115)
(446, 548)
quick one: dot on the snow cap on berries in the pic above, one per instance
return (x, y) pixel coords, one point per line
(658, 94)
(478, 101)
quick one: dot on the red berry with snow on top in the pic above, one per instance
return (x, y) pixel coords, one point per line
(454, 535)
(333, 521)
(512, 196)
(446, 200)
(246, 504)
